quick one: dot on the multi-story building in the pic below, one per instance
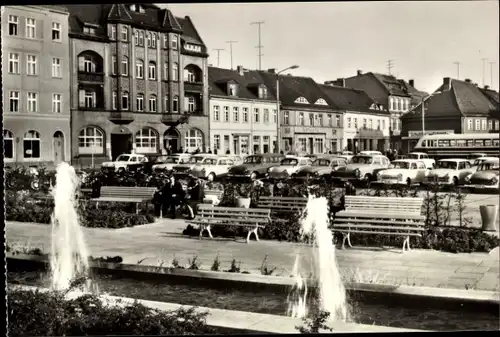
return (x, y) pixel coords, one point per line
(365, 122)
(36, 84)
(396, 96)
(140, 81)
(309, 122)
(455, 107)
(242, 112)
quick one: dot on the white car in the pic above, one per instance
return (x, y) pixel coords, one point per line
(124, 161)
(474, 156)
(167, 163)
(287, 167)
(403, 172)
(186, 168)
(486, 177)
(211, 167)
(370, 153)
(449, 172)
(429, 162)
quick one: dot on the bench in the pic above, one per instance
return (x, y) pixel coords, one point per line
(251, 218)
(283, 204)
(135, 195)
(380, 215)
(210, 195)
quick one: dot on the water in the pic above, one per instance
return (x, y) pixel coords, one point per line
(69, 254)
(332, 294)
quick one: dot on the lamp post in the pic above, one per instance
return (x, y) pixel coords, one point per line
(423, 110)
(278, 136)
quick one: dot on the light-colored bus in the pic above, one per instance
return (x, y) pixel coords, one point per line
(459, 145)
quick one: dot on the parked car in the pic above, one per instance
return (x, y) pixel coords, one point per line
(287, 167)
(236, 158)
(486, 176)
(167, 163)
(186, 168)
(125, 162)
(255, 166)
(370, 153)
(362, 169)
(429, 162)
(473, 156)
(321, 168)
(449, 172)
(210, 168)
(477, 162)
(403, 172)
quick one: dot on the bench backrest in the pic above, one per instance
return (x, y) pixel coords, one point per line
(216, 193)
(206, 211)
(282, 203)
(383, 204)
(125, 191)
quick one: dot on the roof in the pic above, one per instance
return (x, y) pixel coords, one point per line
(350, 99)
(459, 160)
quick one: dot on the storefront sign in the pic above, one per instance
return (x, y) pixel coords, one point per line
(431, 132)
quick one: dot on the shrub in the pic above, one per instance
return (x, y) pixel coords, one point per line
(35, 313)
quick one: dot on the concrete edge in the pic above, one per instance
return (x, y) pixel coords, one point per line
(475, 296)
(240, 320)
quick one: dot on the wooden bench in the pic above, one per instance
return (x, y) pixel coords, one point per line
(380, 215)
(251, 218)
(283, 204)
(135, 195)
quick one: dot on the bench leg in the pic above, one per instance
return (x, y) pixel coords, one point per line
(349, 239)
(254, 231)
(136, 208)
(209, 232)
(406, 243)
(97, 205)
(346, 237)
(202, 229)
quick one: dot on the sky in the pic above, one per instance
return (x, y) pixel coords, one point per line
(330, 40)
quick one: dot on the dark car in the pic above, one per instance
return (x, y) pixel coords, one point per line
(321, 168)
(255, 166)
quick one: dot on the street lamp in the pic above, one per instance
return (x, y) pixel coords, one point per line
(278, 136)
(423, 110)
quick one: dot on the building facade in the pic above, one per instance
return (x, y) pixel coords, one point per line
(455, 107)
(36, 96)
(140, 82)
(242, 112)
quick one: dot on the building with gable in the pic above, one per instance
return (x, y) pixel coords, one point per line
(139, 81)
(242, 112)
(455, 107)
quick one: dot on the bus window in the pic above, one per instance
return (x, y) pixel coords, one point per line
(461, 143)
(424, 143)
(487, 142)
(453, 142)
(470, 143)
(444, 143)
(478, 142)
(496, 142)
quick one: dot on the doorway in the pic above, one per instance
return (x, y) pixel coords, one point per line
(171, 140)
(58, 141)
(120, 143)
(311, 145)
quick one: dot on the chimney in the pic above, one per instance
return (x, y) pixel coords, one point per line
(412, 83)
(272, 70)
(446, 83)
(468, 80)
(360, 72)
(486, 87)
(240, 70)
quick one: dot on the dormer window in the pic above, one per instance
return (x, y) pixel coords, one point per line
(192, 47)
(137, 8)
(89, 30)
(321, 101)
(302, 100)
(233, 89)
(262, 92)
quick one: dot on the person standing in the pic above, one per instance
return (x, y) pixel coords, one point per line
(173, 195)
(196, 193)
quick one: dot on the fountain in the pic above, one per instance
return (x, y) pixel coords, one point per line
(331, 291)
(69, 255)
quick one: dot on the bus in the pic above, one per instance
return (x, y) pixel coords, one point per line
(459, 145)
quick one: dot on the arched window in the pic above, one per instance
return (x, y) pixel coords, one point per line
(90, 62)
(152, 71)
(146, 141)
(8, 145)
(139, 69)
(175, 71)
(192, 73)
(152, 103)
(125, 101)
(193, 139)
(124, 66)
(31, 144)
(91, 140)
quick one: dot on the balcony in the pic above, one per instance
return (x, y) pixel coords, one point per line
(174, 119)
(193, 86)
(84, 76)
(121, 117)
(98, 107)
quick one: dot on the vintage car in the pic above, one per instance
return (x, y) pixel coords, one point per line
(403, 172)
(473, 156)
(321, 168)
(477, 162)
(429, 162)
(212, 167)
(186, 168)
(236, 158)
(486, 176)
(361, 168)
(167, 163)
(255, 166)
(449, 172)
(287, 167)
(370, 153)
(125, 162)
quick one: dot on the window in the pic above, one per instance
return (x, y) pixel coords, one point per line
(31, 145)
(175, 71)
(56, 31)
(152, 103)
(114, 65)
(301, 118)
(275, 114)
(125, 102)
(321, 101)
(136, 37)
(90, 140)
(256, 144)
(236, 114)
(483, 124)
(216, 142)
(266, 140)
(175, 41)
(32, 102)
(302, 100)
(469, 124)
(320, 120)
(216, 115)
(245, 115)
(318, 145)
(165, 41)
(139, 69)
(175, 104)
(286, 118)
(114, 102)
(349, 122)
(355, 123)
(226, 114)
(14, 101)
(311, 119)
(337, 120)
(8, 144)
(191, 104)
(190, 76)
(263, 92)
(497, 125)
(140, 102)
(165, 71)
(364, 123)
(478, 124)
(226, 144)
(152, 71)
(89, 65)
(13, 63)
(31, 65)
(30, 28)
(256, 115)
(383, 124)
(141, 39)
(490, 125)
(146, 140)
(149, 40)
(232, 89)
(193, 140)
(89, 99)
(125, 34)
(113, 32)
(153, 40)
(56, 67)
(378, 124)
(124, 66)
(56, 103)
(166, 107)
(89, 30)
(393, 103)
(13, 25)
(266, 116)
(330, 120)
